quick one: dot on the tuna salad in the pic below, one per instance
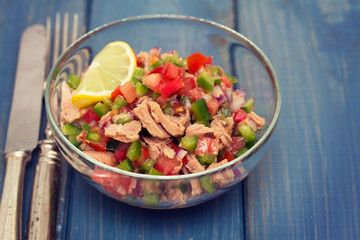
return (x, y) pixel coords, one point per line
(175, 116)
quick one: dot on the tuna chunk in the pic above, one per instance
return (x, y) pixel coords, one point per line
(222, 130)
(129, 132)
(105, 119)
(173, 193)
(142, 112)
(157, 147)
(104, 157)
(173, 125)
(196, 188)
(193, 164)
(259, 121)
(198, 129)
(69, 112)
(222, 178)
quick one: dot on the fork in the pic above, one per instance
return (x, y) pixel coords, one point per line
(42, 216)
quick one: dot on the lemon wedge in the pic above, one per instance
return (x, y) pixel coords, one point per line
(112, 66)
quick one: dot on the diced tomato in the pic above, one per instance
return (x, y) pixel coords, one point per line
(120, 154)
(213, 105)
(168, 166)
(189, 83)
(226, 81)
(195, 61)
(169, 87)
(207, 145)
(228, 155)
(116, 92)
(240, 115)
(90, 115)
(171, 71)
(209, 61)
(196, 93)
(185, 160)
(174, 146)
(236, 144)
(152, 81)
(98, 146)
(202, 145)
(139, 63)
(158, 69)
(114, 183)
(213, 147)
(128, 90)
(143, 157)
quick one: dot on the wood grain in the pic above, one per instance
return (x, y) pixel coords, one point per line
(304, 187)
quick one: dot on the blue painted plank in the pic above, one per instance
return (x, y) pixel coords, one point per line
(307, 185)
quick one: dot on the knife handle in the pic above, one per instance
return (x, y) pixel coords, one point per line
(12, 195)
(42, 215)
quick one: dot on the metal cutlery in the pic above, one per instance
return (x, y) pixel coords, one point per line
(23, 130)
(43, 207)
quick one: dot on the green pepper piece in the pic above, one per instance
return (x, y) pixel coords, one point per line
(174, 59)
(101, 109)
(134, 151)
(205, 81)
(151, 198)
(147, 165)
(153, 171)
(73, 81)
(248, 135)
(200, 110)
(241, 151)
(155, 95)
(215, 70)
(155, 65)
(248, 105)
(208, 185)
(70, 129)
(206, 159)
(74, 141)
(107, 102)
(182, 187)
(123, 118)
(231, 78)
(141, 89)
(126, 165)
(138, 73)
(189, 143)
(217, 81)
(86, 127)
(119, 102)
(168, 109)
(93, 136)
(220, 154)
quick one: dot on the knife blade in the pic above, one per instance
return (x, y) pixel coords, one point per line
(23, 128)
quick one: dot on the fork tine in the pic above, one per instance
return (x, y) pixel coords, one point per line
(57, 38)
(65, 31)
(75, 28)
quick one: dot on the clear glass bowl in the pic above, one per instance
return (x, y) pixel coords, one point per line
(231, 50)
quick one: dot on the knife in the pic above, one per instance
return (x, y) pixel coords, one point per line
(23, 129)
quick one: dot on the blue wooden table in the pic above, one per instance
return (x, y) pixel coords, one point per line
(307, 186)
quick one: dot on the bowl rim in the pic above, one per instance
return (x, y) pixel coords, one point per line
(249, 44)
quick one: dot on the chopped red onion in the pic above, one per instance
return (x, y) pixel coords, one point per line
(93, 123)
(229, 95)
(180, 153)
(241, 92)
(237, 103)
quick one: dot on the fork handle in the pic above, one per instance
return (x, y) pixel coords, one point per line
(43, 207)
(12, 195)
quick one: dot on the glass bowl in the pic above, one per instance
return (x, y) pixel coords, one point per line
(230, 50)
